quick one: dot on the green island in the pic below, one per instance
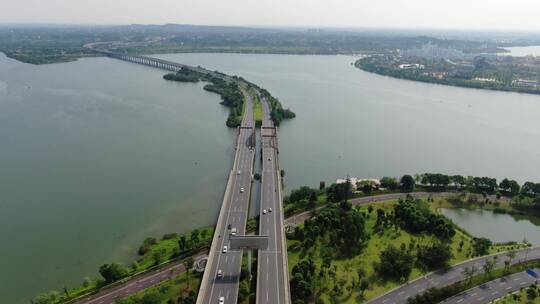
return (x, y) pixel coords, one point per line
(233, 91)
(344, 252)
(503, 73)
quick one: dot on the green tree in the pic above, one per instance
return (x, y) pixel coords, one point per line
(188, 263)
(195, 237)
(302, 280)
(182, 242)
(364, 285)
(112, 272)
(339, 192)
(469, 273)
(511, 255)
(481, 246)
(459, 181)
(151, 298)
(407, 183)
(159, 256)
(488, 266)
(146, 245)
(204, 233)
(532, 292)
(509, 187)
(389, 183)
(436, 255)
(47, 298)
(394, 263)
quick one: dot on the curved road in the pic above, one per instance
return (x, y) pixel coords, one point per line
(398, 295)
(135, 285)
(301, 217)
(493, 290)
(449, 276)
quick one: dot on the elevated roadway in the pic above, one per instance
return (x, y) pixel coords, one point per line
(234, 214)
(272, 274)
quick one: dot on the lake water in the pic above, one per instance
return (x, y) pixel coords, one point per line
(499, 228)
(524, 51)
(98, 154)
(95, 156)
(358, 123)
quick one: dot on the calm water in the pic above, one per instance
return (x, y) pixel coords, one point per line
(357, 123)
(524, 50)
(97, 154)
(496, 227)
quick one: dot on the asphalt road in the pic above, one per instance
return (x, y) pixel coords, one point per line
(272, 274)
(140, 283)
(301, 217)
(234, 212)
(493, 290)
(449, 276)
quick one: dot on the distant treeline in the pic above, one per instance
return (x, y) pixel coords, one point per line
(46, 44)
(526, 197)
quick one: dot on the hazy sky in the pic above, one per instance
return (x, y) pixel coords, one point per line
(453, 14)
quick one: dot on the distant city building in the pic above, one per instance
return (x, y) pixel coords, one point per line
(526, 83)
(486, 79)
(411, 66)
(355, 181)
(438, 75)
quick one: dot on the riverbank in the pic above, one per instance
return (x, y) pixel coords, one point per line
(430, 71)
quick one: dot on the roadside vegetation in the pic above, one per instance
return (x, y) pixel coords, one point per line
(152, 253)
(348, 253)
(248, 282)
(435, 295)
(277, 113)
(178, 290)
(529, 295)
(257, 108)
(399, 241)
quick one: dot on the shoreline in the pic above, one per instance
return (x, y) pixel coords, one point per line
(436, 81)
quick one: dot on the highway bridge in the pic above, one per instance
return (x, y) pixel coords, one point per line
(272, 273)
(221, 276)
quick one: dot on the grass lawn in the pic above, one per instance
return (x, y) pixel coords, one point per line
(257, 108)
(347, 270)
